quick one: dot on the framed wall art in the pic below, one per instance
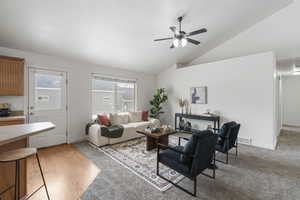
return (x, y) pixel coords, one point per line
(198, 95)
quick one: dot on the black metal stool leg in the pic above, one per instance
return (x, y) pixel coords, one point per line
(37, 157)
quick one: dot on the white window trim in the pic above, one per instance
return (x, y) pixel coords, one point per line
(113, 78)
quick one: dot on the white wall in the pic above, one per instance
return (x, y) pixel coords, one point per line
(291, 100)
(240, 89)
(278, 33)
(16, 102)
(79, 97)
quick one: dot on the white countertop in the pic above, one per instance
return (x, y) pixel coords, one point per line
(16, 132)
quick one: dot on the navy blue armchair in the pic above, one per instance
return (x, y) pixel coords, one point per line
(227, 140)
(191, 160)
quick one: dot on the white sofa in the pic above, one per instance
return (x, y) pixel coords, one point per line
(131, 122)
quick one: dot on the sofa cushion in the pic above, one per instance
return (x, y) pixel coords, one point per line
(129, 132)
(140, 125)
(123, 118)
(118, 118)
(103, 120)
(114, 118)
(145, 115)
(135, 116)
(129, 125)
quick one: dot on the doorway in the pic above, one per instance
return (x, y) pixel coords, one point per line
(291, 103)
(47, 94)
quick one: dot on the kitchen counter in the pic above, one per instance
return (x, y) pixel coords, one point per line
(15, 137)
(15, 115)
(17, 132)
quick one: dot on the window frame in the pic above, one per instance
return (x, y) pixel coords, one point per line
(95, 76)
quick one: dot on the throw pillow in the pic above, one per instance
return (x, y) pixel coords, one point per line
(103, 120)
(145, 115)
(114, 118)
(135, 116)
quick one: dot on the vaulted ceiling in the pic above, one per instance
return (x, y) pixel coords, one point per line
(120, 33)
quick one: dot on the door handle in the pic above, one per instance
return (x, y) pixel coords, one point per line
(31, 113)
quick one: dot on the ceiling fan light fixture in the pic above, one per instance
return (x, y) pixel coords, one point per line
(180, 42)
(183, 42)
(181, 38)
(176, 43)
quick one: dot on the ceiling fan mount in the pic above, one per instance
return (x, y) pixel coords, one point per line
(181, 38)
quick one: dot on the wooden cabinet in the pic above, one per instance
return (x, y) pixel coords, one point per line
(13, 122)
(7, 170)
(11, 76)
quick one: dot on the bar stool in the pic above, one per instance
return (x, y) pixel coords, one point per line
(16, 156)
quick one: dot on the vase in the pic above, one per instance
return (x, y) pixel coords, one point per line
(181, 124)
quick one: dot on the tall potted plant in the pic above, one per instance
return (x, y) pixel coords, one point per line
(159, 98)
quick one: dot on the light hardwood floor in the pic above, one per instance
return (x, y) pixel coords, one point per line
(68, 173)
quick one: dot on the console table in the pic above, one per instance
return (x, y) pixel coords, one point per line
(213, 118)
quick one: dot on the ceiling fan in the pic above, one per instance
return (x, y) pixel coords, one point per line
(181, 38)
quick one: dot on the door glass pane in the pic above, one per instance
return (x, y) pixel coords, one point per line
(48, 91)
(102, 96)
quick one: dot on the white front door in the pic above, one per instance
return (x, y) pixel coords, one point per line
(47, 102)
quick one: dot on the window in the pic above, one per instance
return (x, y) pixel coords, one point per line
(111, 95)
(48, 91)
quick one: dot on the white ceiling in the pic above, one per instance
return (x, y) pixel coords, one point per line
(119, 33)
(277, 33)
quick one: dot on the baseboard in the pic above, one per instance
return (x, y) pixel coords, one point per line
(290, 126)
(77, 140)
(247, 141)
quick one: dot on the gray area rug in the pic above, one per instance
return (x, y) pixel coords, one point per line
(133, 156)
(257, 174)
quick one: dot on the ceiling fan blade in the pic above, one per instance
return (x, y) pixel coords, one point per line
(192, 41)
(203, 30)
(174, 30)
(172, 46)
(169, 38)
